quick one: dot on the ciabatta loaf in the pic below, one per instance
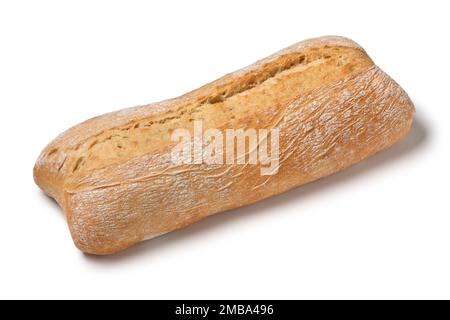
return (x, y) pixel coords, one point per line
(115, 175)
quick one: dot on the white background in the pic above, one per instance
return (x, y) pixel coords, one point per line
(380, 229)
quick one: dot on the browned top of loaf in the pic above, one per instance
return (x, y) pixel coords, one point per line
(233, 101)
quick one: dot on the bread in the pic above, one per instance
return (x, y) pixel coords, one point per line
(115, 178)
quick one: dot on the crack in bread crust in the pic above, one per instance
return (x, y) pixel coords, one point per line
(288, 76)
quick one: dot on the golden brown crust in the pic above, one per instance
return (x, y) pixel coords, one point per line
(332, 105)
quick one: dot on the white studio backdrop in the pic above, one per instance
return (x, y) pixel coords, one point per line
(379, 229)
